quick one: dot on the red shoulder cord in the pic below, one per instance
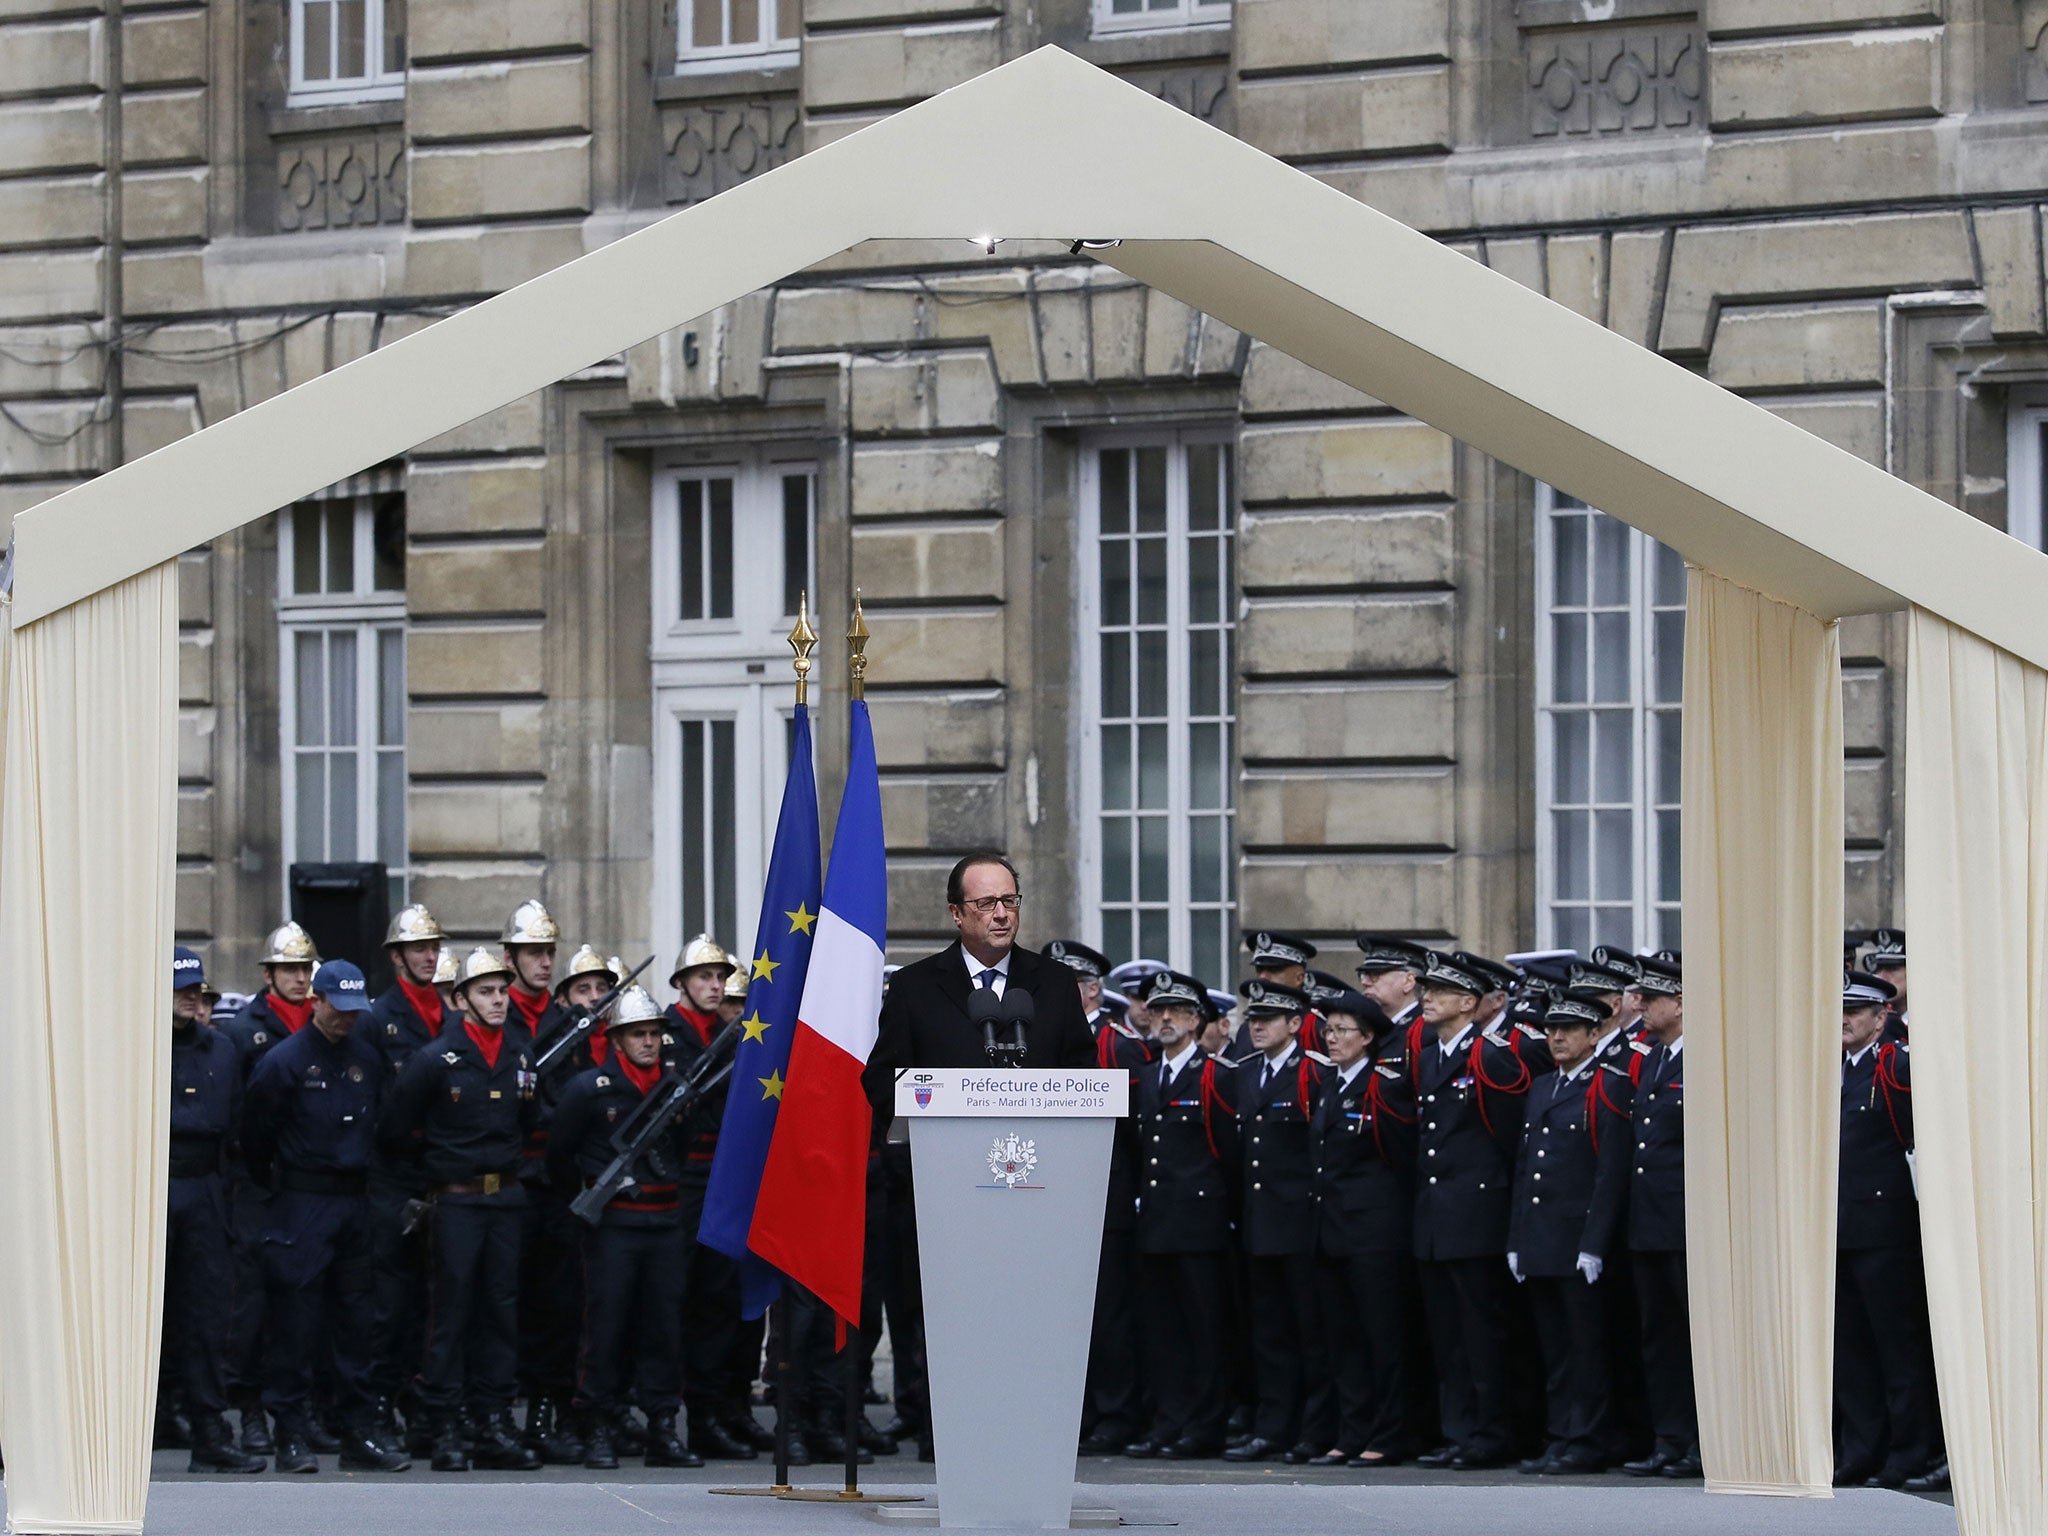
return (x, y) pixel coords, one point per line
(1105, 1050)
(1301, 1089)
(1597, 1100)
(1888, 1083)
(1415, 1051)
(1635, 1068)
(1478, 1065)
(1377, 1105)
(1210, 1097)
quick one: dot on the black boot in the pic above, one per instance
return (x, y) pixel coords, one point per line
(324, 1441)
(742, 1425)
(598, 1454)
(710, 1438)
(384, 1427)
(255, 1428)
(293, 1452)
(214, 1449)
(363, 1451)
(449, 1455)
(175, 1430)
(551, 1435)
(664, 1448)
(872, 1439)
(498, 1448)
(629, 1435)
(829, 1446)
(799, 1447)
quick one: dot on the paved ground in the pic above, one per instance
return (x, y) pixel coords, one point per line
(1218, 1503)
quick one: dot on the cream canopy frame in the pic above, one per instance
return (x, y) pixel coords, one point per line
(1785, 533)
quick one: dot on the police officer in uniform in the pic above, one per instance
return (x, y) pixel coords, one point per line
(1281, 958)
(1887, 961)
(1275, 1091)
(1390, 973)
(206, 1104)
(403, 1019)
(1364, 1145)
(1887, 1421)
(1571, 1185)
(463, 1109)
(1470, 1090)
(1187, 1130)
(633, 1257)
(1111, 1410)
(1656, 1236)
(312, 1115)
(276, 1013)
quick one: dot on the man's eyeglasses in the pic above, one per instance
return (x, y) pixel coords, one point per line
(986, 905)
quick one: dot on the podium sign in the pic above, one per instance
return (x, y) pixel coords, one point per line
(1011, 1169)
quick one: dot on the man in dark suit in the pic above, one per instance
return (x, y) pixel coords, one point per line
(925, 1019)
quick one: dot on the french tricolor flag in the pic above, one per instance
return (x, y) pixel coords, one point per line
(810, 1219)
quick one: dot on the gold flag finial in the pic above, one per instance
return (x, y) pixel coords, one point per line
(803, 640)
(856, 646)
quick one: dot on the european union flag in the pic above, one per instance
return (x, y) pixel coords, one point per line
(789, 913)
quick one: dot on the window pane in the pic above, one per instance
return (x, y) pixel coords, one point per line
(1151, 490)
(1205, 861)
(390, 687)
(1667, 856)
(724, 820)
(1116, 934)
(1668, 725)
(1611, 659)
(1151, 581)
(1154, 883)
(1204, 501)
(309, 843)
(1116, 767)
(746, 20)
(1116, 858)
(1574, 928)
(1208, 948)
(787, 21)
(1670, 934)
(1116, 490)
(1571, 833)
(387, 540)
(1670, 657)
(1614, 836)
(721, 549)
(341, 688)
(1610, 560)
(319, 40)
(310, 694)
(1204, 601)
(342, 795)
(1569, 576)
(1572, 756)
(1152, 674)
(391, 809)
(1152, 774)
(1154, 929)
(341, 546)
(354, 62)
(690, 542)
(796, 539)
(1615, 757)
(394, 36)
(1206, 768)
(1670, 567)
(1205, 673)
(708, 24)
(694, 913)
(1568, 657)
(1116, 677)
(1116, 581)
(306, 547)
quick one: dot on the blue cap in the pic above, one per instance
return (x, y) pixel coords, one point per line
(186, 971)
(342, 985)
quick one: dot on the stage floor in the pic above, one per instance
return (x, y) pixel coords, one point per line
(1192, 1502)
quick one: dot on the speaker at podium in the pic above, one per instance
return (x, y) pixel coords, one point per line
(1011, 1170)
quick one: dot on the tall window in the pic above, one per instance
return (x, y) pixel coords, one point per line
(1610, 662)
(346, 50)
(733, 550)
(1140, 15)
(1158, 752)
(341, 608)
(728, 34)
(2026, 474)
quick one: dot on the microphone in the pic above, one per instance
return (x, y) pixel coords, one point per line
(986, 1009)
(1010, 1015)
(1020, 1013)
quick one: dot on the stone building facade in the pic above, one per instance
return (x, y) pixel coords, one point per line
(1200, 636)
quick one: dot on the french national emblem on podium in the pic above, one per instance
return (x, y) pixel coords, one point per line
(1011, 1160)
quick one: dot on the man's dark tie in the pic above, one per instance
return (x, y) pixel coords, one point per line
(986, 980)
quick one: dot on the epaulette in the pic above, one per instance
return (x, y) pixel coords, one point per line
(1903, 1045)
(1608, 1066)
(1125, 1030)
(1639, 1048)
(1386, 1071)
(1319, 1058)
(1531, 1031)
(1492, 1038)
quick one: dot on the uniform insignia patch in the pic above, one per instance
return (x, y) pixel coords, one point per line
(604, 1082)
(355, 1074)
(454, 1095)
(453, 1058)
(259, 1037)
(390, 1029)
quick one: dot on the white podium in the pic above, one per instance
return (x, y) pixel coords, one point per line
(1011, 1169)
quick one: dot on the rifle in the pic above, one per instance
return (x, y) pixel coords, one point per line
(674, 1095)
(577, 1027)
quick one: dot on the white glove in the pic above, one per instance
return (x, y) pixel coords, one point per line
(1590, 1265)
(1515, 1267)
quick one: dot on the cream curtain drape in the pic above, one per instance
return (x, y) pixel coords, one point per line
(1762, 889)
(88, 777)
(1977, 907)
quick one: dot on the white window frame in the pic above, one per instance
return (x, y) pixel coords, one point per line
(768, 52)
(734, 669)
(1088, 611)
(1185, 16)
(377, 84)
(2026, 476)
(1643, 705)
(367, 613)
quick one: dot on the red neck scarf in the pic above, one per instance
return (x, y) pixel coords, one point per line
(703, 1023)
(488, 1041)
(292, 1015)
(643, 1078)
(601, 1049)
(531, 1006)
(426, 1002)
